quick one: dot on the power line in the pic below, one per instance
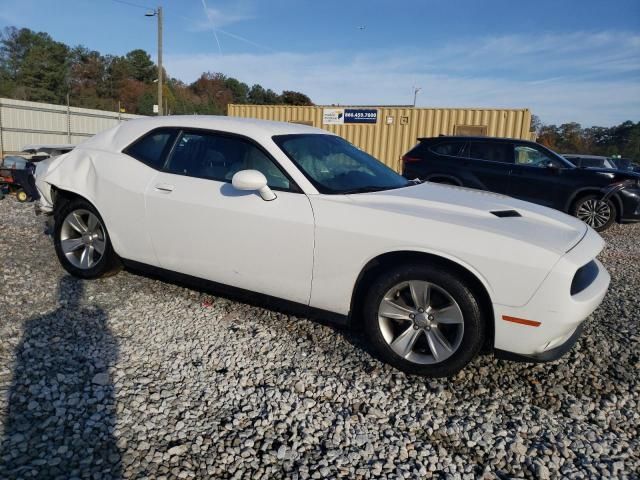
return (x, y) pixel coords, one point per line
(131, 4)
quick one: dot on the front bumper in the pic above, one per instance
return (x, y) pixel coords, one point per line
(546, 356)
(550, 323)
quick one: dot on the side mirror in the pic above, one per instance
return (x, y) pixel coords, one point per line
(253, 180)
(550, 165)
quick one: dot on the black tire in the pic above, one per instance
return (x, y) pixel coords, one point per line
(590, 202)
(473, 336)
(108, 263)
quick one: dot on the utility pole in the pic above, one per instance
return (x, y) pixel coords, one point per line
(416, 90)
(158, 13)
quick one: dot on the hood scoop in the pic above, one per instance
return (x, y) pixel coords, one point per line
(506, 213)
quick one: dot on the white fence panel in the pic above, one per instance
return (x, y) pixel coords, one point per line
(23, 123)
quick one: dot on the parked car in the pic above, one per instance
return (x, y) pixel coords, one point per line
(596, 161)
(528, 171)
(432, 274)
(16, 171)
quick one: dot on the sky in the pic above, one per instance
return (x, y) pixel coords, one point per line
(564, 60)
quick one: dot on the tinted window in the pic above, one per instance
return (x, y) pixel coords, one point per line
(496, 152)
(219, 157)
(448, 148)
(532, 157)
(333, 165)
(153, 147)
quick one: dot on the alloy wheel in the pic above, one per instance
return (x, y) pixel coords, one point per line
(593, 212)
(421, 322)
(83, 239)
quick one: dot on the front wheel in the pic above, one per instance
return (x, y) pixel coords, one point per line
(82, 242)
(424, 320)
(599, 214)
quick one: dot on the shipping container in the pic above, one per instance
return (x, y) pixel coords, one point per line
(387, 132)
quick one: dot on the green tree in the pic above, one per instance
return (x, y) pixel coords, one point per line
(239, 90)
(289, 97)
(34, 66)
(140, 65)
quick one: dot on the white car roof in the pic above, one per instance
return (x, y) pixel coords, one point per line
(117, 138)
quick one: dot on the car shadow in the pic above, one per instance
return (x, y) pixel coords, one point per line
(60, 415)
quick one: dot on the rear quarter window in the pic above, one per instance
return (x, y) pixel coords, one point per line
(452, 149)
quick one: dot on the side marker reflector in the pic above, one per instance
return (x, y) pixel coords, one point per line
(521, 321)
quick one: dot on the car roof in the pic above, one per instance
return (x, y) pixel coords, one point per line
(117, 138)
(579, 155)
(473, 138)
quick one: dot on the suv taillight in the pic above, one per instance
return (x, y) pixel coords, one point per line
(408, 159)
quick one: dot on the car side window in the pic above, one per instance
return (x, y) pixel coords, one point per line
(449, 148)
(152, 148)
(493, 151)
(532, 157)
(219, 157)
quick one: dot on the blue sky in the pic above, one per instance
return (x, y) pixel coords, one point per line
(565, 60)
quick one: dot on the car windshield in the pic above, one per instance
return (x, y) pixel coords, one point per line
(335, 166)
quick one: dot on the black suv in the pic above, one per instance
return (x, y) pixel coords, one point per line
(528, 171)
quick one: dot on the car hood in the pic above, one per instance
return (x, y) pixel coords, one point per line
(542, 226)
(618, 173)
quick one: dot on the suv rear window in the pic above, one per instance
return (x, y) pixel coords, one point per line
(448, 148)
(493, 151)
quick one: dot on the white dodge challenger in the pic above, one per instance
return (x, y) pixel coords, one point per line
(432, 274)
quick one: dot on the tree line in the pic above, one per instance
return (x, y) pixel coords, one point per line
(35, 67)
(623, 139)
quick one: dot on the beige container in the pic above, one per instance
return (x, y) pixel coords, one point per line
(397, 129)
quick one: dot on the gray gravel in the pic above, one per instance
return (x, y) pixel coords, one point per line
(133, 377)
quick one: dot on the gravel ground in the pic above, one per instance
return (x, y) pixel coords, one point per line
(133, 377)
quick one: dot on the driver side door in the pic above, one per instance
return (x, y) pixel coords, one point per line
(200, 225)
(535, 176)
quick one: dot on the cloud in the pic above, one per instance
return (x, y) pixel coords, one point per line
(587, 77)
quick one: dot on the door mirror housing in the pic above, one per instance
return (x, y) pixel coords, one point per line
(254, 181)
(551, 165)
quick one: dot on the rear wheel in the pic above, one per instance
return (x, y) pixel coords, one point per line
(423, 320)
(82, 242)
(597, 213)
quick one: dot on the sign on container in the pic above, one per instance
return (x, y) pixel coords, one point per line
(340, 116)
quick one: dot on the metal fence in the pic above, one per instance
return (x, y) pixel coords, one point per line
(23, 123)
(390, 132)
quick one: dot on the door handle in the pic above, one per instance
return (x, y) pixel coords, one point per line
(164, 187)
